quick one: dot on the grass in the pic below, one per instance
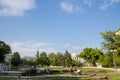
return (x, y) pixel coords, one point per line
(7, 78)
(86, 75)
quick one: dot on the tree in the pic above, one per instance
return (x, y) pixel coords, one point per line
(60, 59)
(37, 60)
(95, 54)
(37, 55)
(32, 62)
(4, 49)
(16, 60)
(76, 63)
(43, 59)
(68, 59)
(52, 57)
(111, 41)
(109, 38)
(85, 54)
(107, 60)
(91, 55)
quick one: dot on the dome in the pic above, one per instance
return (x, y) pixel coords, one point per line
(74, 55)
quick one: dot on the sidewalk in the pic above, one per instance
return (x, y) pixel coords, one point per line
(113, 69)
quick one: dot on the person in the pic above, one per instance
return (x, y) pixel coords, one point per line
(71, 70)
(78, 71)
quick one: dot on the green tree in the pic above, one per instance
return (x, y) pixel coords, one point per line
(111, 41)
(52, 57)
(85, 54)
(68, 59)
(43, 59)
(107, 60)
(32, 62)
(4, 49)
(16, 60)
(37, 55)
(61, 59)
(95, 55)
(91, 55)
(24, 61)
(76, 63)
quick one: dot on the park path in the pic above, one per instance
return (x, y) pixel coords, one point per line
(113, 69)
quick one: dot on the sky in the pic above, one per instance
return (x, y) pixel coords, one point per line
(56, 25)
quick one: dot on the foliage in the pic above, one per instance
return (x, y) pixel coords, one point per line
(85, 54)
(61, 59)
(109, 38)
(52, 57)
(91, 55)
(68, 59)
(16, 60)
(43, 59)
(24, 61)
(107, 60)
(111, 42)
(4, 49)
(76, 63)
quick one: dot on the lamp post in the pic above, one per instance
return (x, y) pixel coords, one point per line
(114, 61)
(113, 51)
(10, 57)
(117, 33)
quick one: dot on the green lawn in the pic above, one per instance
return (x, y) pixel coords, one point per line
(87, 74)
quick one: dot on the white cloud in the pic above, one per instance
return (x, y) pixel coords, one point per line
(30, 48)
(15, 7)
(108, 3)
(69, 7)
(88, 2)
(72, 48)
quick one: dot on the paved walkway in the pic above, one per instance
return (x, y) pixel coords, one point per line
(15, 73)
(113, 69)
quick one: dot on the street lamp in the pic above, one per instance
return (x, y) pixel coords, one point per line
(117, 33)
(115, 50)
(10, 57)
(114, 61)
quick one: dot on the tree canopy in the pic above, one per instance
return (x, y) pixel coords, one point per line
(4, 49)
(16, 59)
(91, 55)
(111, 42)
(43, 59)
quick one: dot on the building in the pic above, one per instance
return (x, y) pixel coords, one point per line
(75, 57)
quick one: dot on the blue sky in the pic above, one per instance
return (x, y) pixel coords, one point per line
(56, 25)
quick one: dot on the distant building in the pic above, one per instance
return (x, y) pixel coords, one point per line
(75, 57)
(99, 65)
(8, 57)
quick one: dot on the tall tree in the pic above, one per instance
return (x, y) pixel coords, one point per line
(4, 49)
(68, 59)
(85, 54)
(52, 57)
(61, 59)
(16, 60)
(91, 55)
(43, 59)
(95, 55)
(111, 41)
(37, 55)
